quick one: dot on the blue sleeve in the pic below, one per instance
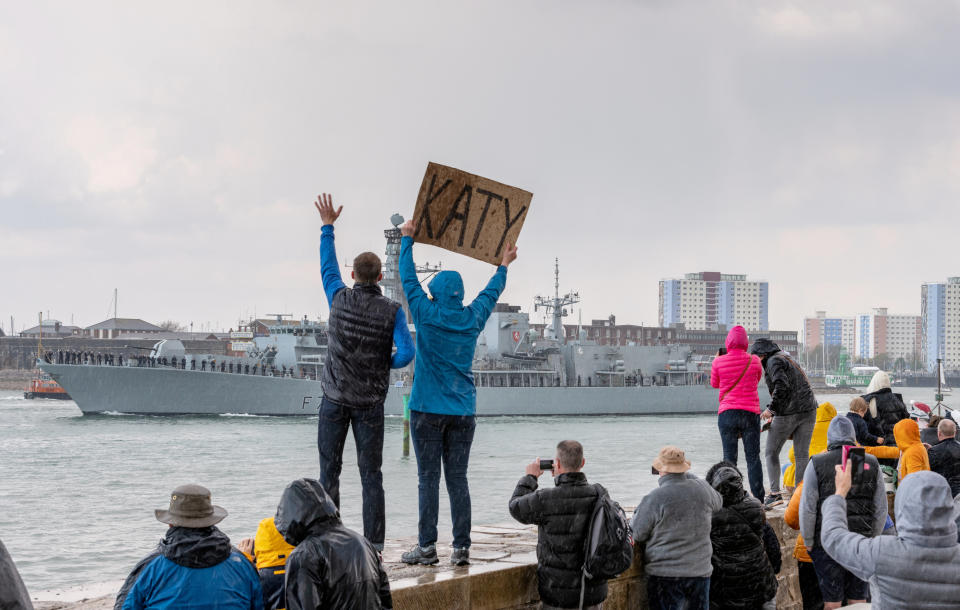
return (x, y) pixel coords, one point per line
(483, 305)
(403, 341)
(329, 268)
(416, 297)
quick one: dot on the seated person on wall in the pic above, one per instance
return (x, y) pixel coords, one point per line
(743, 573)
(332, 566)
(268, 551)
(562, 515)
(919, 567)
(858, 410)
(672, 526)
(194, 566)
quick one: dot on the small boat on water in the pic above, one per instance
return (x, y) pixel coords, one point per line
(43, 386)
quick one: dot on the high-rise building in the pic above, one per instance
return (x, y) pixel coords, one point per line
(940, 322)
(709, 299)
(829, 331)
(895, 336)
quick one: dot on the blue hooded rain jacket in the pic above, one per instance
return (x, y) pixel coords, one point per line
(447, 334)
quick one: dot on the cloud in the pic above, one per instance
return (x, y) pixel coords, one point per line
(173, 152)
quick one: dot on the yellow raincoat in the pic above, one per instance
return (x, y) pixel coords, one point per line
(818, 442)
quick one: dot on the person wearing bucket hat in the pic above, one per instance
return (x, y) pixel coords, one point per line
(194, 565)
(672, 526)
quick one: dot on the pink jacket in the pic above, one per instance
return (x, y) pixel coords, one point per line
(727, 368)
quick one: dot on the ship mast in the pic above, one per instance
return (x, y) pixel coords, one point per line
(392, 286)
(556, 305)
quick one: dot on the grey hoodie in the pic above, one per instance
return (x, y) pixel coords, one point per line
(840, 432)
(920, 566)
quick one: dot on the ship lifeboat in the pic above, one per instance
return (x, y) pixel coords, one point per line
(43, 386)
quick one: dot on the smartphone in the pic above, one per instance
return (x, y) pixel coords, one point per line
(654, 471)
(722, 351)
(546, 464)
(855, 458)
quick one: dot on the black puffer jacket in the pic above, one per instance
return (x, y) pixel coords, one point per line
(13, 595)
(357, 369)
(890, 410)
(562, 515)
(945, 461)
(742, 575)
(332, 566)
(789, 389)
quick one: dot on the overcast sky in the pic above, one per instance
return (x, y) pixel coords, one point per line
(173, 152)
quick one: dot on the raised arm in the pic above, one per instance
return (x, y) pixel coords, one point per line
(483, 305)
(329, 267)
(408, 271)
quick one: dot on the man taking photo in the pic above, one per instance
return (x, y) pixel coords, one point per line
(562, 514)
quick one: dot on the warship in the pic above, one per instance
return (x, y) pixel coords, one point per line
(518, 369)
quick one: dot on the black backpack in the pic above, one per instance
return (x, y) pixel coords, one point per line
(608, 549)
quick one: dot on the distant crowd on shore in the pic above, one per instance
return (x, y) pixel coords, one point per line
(873, 500)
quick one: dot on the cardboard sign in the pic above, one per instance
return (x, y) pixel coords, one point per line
(468, 214)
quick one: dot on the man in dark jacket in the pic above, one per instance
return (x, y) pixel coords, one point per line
(866, 513)
(858, 411)
(332, 566)
(363, 327)
(13, 594)
(945, 455)
(792, 411)
(743, 575)
(194, 566)
(562, 515)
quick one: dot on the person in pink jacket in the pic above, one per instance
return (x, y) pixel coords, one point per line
(736, 374)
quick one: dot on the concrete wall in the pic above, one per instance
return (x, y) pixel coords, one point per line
(505, 586)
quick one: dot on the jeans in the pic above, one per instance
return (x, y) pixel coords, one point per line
(800, 427)
(735, 423)
(443, 439)
(678, 593)
(368, 436)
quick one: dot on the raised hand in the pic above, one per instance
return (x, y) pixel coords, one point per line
(407, 229)
(509, 255)
(324, 205)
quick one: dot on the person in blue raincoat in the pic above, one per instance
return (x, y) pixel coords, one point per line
(444, 399)
(194, 566)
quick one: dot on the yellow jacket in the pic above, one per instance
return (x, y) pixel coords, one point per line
(818, 442)
(792, 518)
(270, 550)
(913, 455)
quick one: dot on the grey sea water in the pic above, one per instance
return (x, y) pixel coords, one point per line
(77, 492)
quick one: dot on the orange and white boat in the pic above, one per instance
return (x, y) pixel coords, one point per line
(43, 386)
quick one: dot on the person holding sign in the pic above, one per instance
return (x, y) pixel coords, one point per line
(363, 328)
(443, 399)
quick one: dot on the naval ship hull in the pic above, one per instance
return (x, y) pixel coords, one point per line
(166, 391)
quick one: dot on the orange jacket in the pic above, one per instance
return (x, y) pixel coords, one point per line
(913, 455)
(792, 518)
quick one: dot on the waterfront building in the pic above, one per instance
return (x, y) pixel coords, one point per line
(895, 336)
(51, 328)
(709, 299)
(940, 323)
(821, 330)
(114, 327)
(608, 332)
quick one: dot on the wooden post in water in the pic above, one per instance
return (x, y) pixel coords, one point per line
(406, 425)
